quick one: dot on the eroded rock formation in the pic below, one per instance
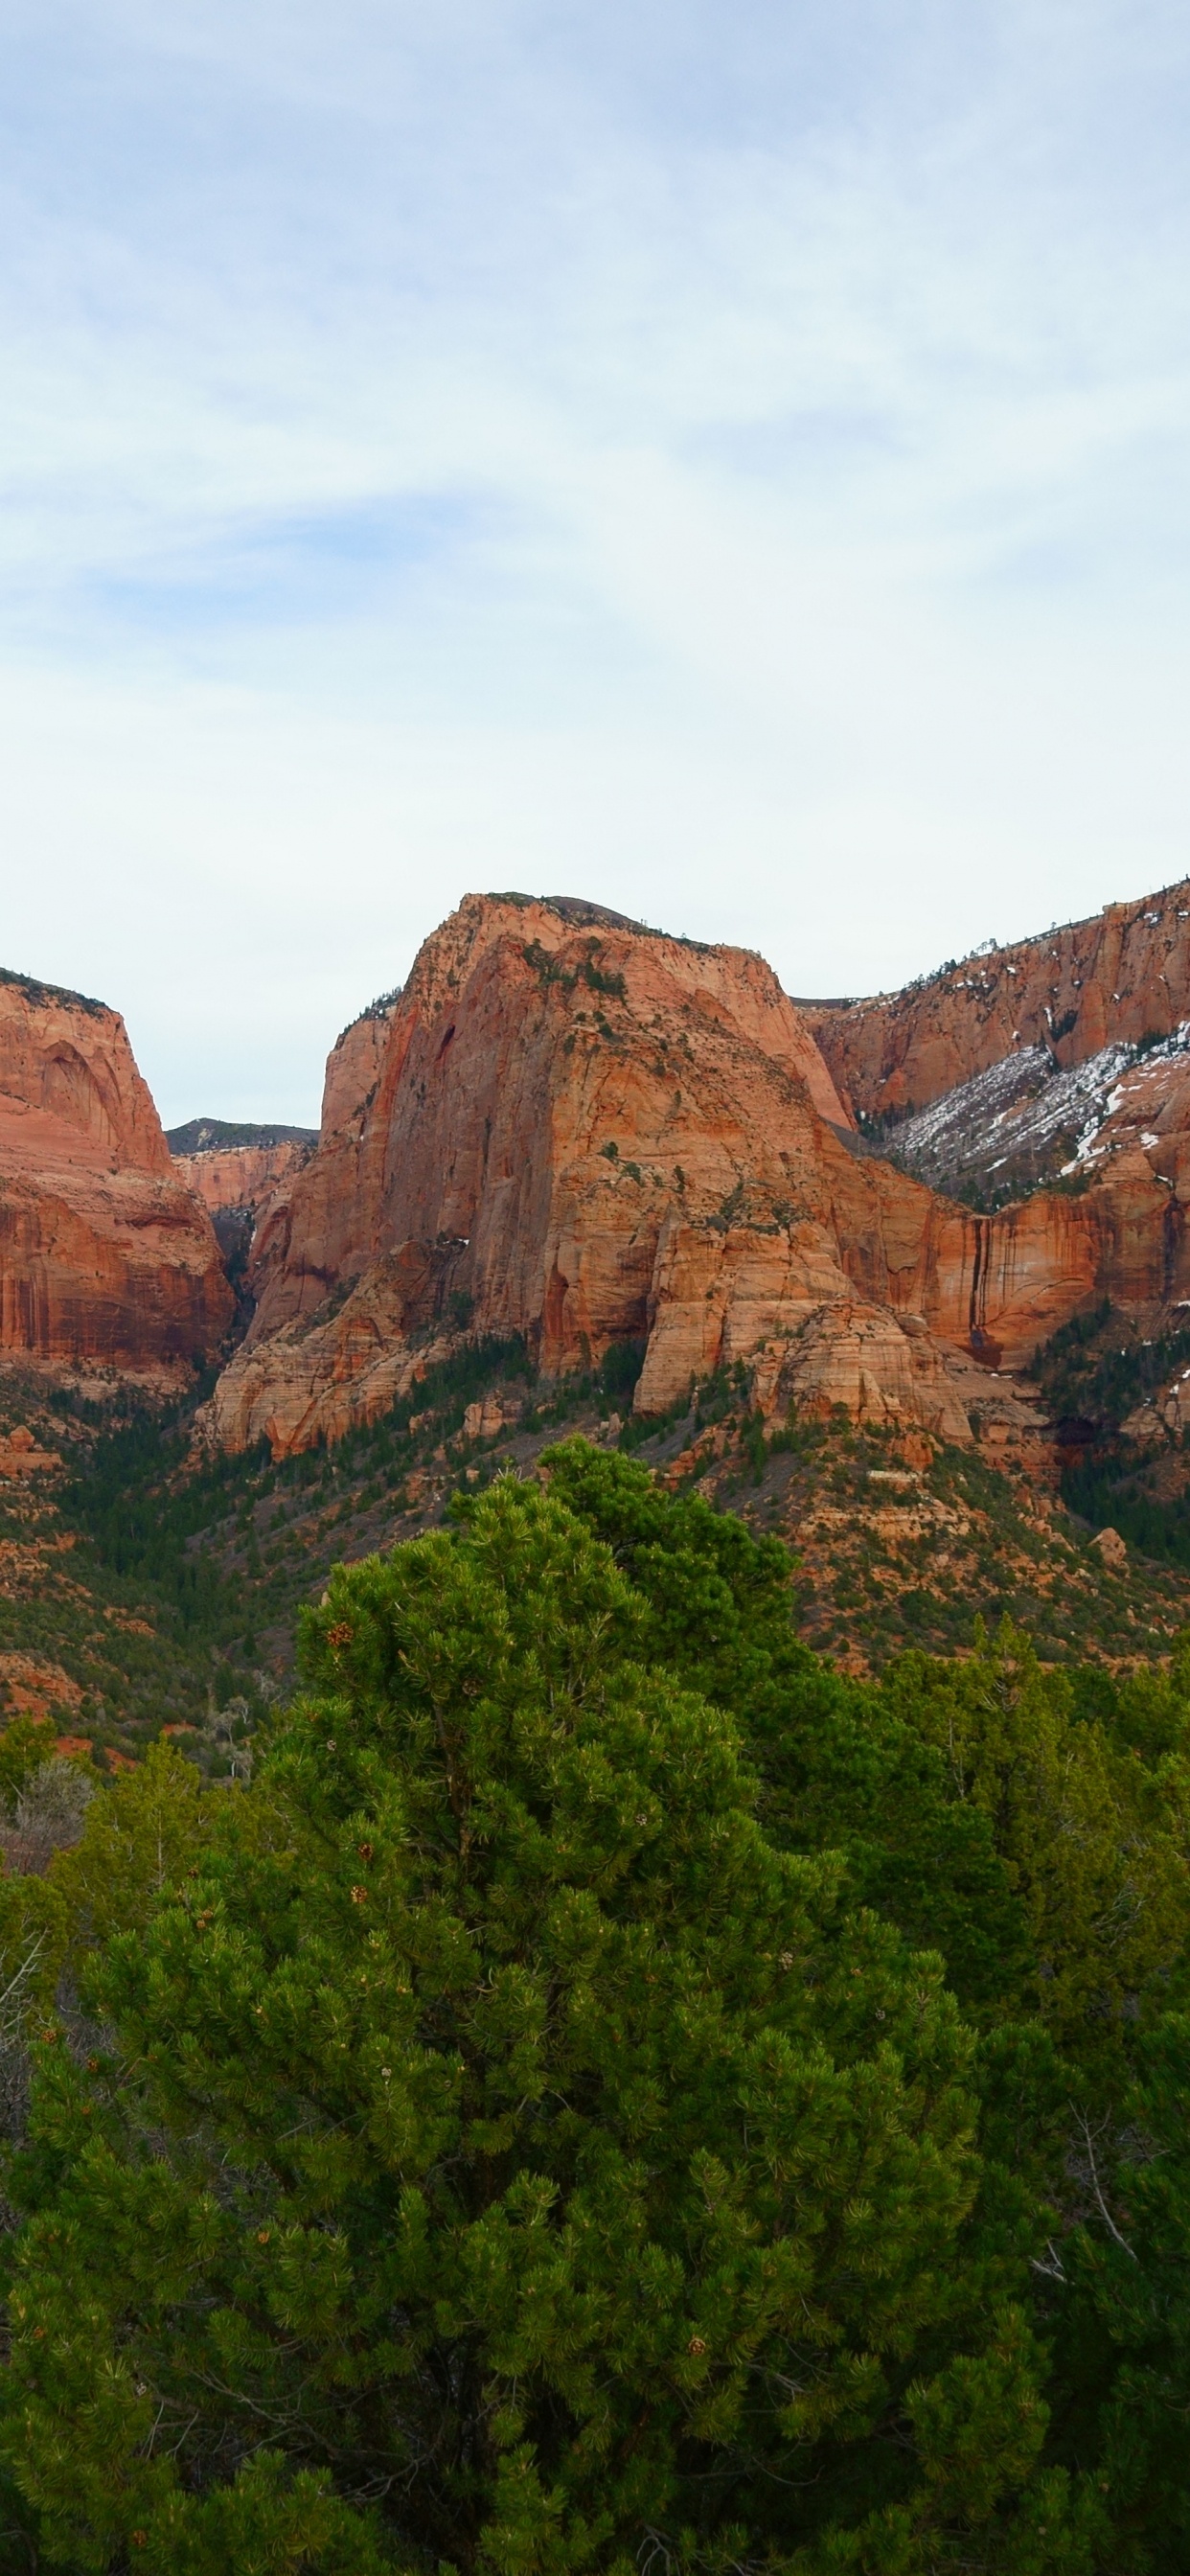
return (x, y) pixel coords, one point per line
(237, 1183)
(574, 1129)
(106, 1261)
(1122, 976)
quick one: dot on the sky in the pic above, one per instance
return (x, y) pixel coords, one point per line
(725, 459)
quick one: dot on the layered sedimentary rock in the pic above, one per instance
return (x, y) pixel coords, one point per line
(106, 1260)
(237, 1185)
(576, 1130)
(227, 1177)
(1122, 976)
(1065, 1062)
(582, 1132)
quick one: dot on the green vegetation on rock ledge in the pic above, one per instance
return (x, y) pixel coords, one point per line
(610, 2091)
(1096, 1372)
(150, 1582)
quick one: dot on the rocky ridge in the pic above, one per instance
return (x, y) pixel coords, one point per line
(1073, 1152)
(1121, 977)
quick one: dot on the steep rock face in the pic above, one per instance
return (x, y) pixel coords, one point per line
(237, 1185)
(568, 1114)
(239, 1176)
(1122, 976)
(105, 1259)
(582, 1132)
(354, 1065)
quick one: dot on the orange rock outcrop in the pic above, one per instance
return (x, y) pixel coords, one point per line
(579, 1131)
(584, 1132)
(105, 1259)
(1124, 974)
(22, 1455)
(31, 1686)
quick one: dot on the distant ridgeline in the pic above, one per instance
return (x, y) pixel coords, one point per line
(211, 1135)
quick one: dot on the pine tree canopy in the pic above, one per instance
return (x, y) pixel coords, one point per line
(611, 2096)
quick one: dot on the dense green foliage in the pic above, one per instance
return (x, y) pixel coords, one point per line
(612, 2093)
(1094, 1371)
(141, 1514)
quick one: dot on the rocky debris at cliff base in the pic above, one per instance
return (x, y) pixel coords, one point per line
(900, 1539)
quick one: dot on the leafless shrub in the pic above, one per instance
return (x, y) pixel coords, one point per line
(231, 1729)
(50, 1814)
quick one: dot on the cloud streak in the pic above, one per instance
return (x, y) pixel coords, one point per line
(728, 463)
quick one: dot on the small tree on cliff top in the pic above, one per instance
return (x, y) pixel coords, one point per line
(511, 2159)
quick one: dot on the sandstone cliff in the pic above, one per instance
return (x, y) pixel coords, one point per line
(239, 1176)
(580, 1131)
(105, 1259)
(1122, 976)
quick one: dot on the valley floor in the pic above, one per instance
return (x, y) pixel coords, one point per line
(144, 1588)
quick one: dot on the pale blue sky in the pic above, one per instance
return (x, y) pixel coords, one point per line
(727, 460)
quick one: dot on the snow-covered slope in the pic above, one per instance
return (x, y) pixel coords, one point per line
(1025, 1123)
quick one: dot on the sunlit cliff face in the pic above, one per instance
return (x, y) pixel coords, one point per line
(106, 1259)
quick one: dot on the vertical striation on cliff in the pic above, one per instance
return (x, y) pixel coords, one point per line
(571, 1128)
(574, 1129)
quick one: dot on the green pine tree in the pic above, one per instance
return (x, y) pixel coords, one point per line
(507, 2155)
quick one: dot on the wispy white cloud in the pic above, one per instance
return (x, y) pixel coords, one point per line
(730, 462)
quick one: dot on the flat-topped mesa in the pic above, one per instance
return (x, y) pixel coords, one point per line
(1124, 975)
(106, 1261)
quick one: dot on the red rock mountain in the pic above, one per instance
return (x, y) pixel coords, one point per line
(575, 1129)
(1122, 976)
(106, 1259)
(1063, 1059)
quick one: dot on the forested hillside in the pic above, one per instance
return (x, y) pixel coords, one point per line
(609, 2089)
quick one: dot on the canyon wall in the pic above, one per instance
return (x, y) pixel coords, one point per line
(106, 1260)
(579, 1131)
(229, 1177)
(1123, 975)
(583, 1132)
